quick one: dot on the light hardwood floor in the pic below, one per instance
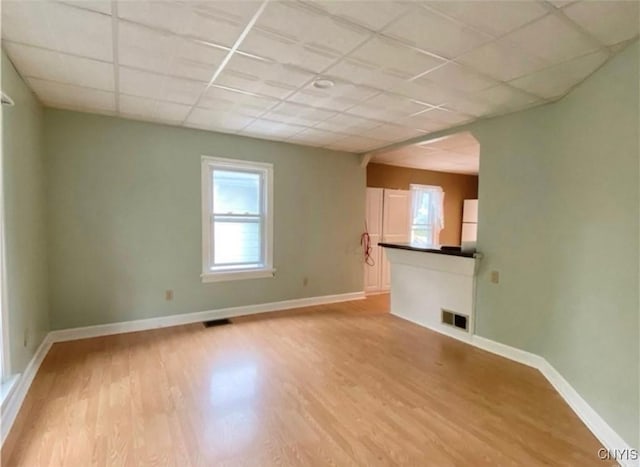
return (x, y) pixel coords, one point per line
(345, 384)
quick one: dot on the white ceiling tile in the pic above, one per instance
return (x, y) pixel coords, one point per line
(315, 136)
(357, 144)
(370, 14)
(287, 51)
(493, 17)
(559, 79)
(395, 103)
(309, 27)
(395, 58)
(561, 3)
(422, 122)
(365, 74)
(58, 26)
(552, 38)
(464, 140)
(154, 110)
(318, 99)
(609, 21)
(242, 103)
(230, 10)
(154, 86)
(375, 112)
(468, 105)
(435, 33)
(86, 34)
(448, 117)
(430, 156)
(270, 71)
(459, 77)
(100, 6)
(346, 123)
(73, 97)
(503, 98)
(296, 114)
(424, 91)
(182, 18)
(251, 83)
(270, 128)
(502, 60)
(217, 120)
(34, 62)
(148, 49)
(390, 132)
(263, 77)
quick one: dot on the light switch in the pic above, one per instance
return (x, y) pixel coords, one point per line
(495, 277)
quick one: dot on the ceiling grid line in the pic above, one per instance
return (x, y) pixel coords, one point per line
(401, 70)
(230, 53)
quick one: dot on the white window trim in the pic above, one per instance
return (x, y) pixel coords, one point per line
(5, 357)
(267, 270)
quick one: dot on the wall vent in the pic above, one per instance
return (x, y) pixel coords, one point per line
(216, 322)
(457, 320)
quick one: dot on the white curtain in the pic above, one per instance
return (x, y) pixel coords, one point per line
(427, 214)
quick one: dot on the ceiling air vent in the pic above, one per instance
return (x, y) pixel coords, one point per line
(457, 320)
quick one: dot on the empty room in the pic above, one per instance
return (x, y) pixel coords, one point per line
(320, 232)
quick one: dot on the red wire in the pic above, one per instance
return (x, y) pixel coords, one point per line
(365, 241)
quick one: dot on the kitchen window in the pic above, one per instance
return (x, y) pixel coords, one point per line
(427, 215)
(237, 219)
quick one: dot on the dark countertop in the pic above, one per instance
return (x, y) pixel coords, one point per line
(407, 246)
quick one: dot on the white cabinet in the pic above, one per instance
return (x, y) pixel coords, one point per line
(372, 272)
(388, 220)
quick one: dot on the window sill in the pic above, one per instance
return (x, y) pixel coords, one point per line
(221, 276)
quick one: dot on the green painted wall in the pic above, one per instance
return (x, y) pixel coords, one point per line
(124, 204)
(25, 219)
(558, 219)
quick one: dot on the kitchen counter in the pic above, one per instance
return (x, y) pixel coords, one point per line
(410, 247)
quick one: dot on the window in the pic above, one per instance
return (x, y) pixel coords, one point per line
(237, 219)
(427, 214)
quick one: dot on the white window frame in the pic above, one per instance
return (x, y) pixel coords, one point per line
(435, 230)
(211, 273)
(5, 357)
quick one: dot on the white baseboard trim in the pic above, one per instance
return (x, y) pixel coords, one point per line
(453, 333)
(512, 353)
(596, 424)
(198, 316)
(11, 407)
(15, 399)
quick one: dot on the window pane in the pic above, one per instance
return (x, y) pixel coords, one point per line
(236, 242)
(422, 207)
(236, 192)
(422, 236)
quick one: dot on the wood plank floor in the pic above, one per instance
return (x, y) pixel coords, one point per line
(345, 384)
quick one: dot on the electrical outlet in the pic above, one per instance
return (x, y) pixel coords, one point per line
(495, 277)
(305, 281)
(168, 295)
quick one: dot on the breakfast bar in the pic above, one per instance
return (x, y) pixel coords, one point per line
(434, 288)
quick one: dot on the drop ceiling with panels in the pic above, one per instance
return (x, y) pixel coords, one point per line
(401, 69)
(457, 153)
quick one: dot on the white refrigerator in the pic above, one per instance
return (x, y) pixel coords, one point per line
(470, 222)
